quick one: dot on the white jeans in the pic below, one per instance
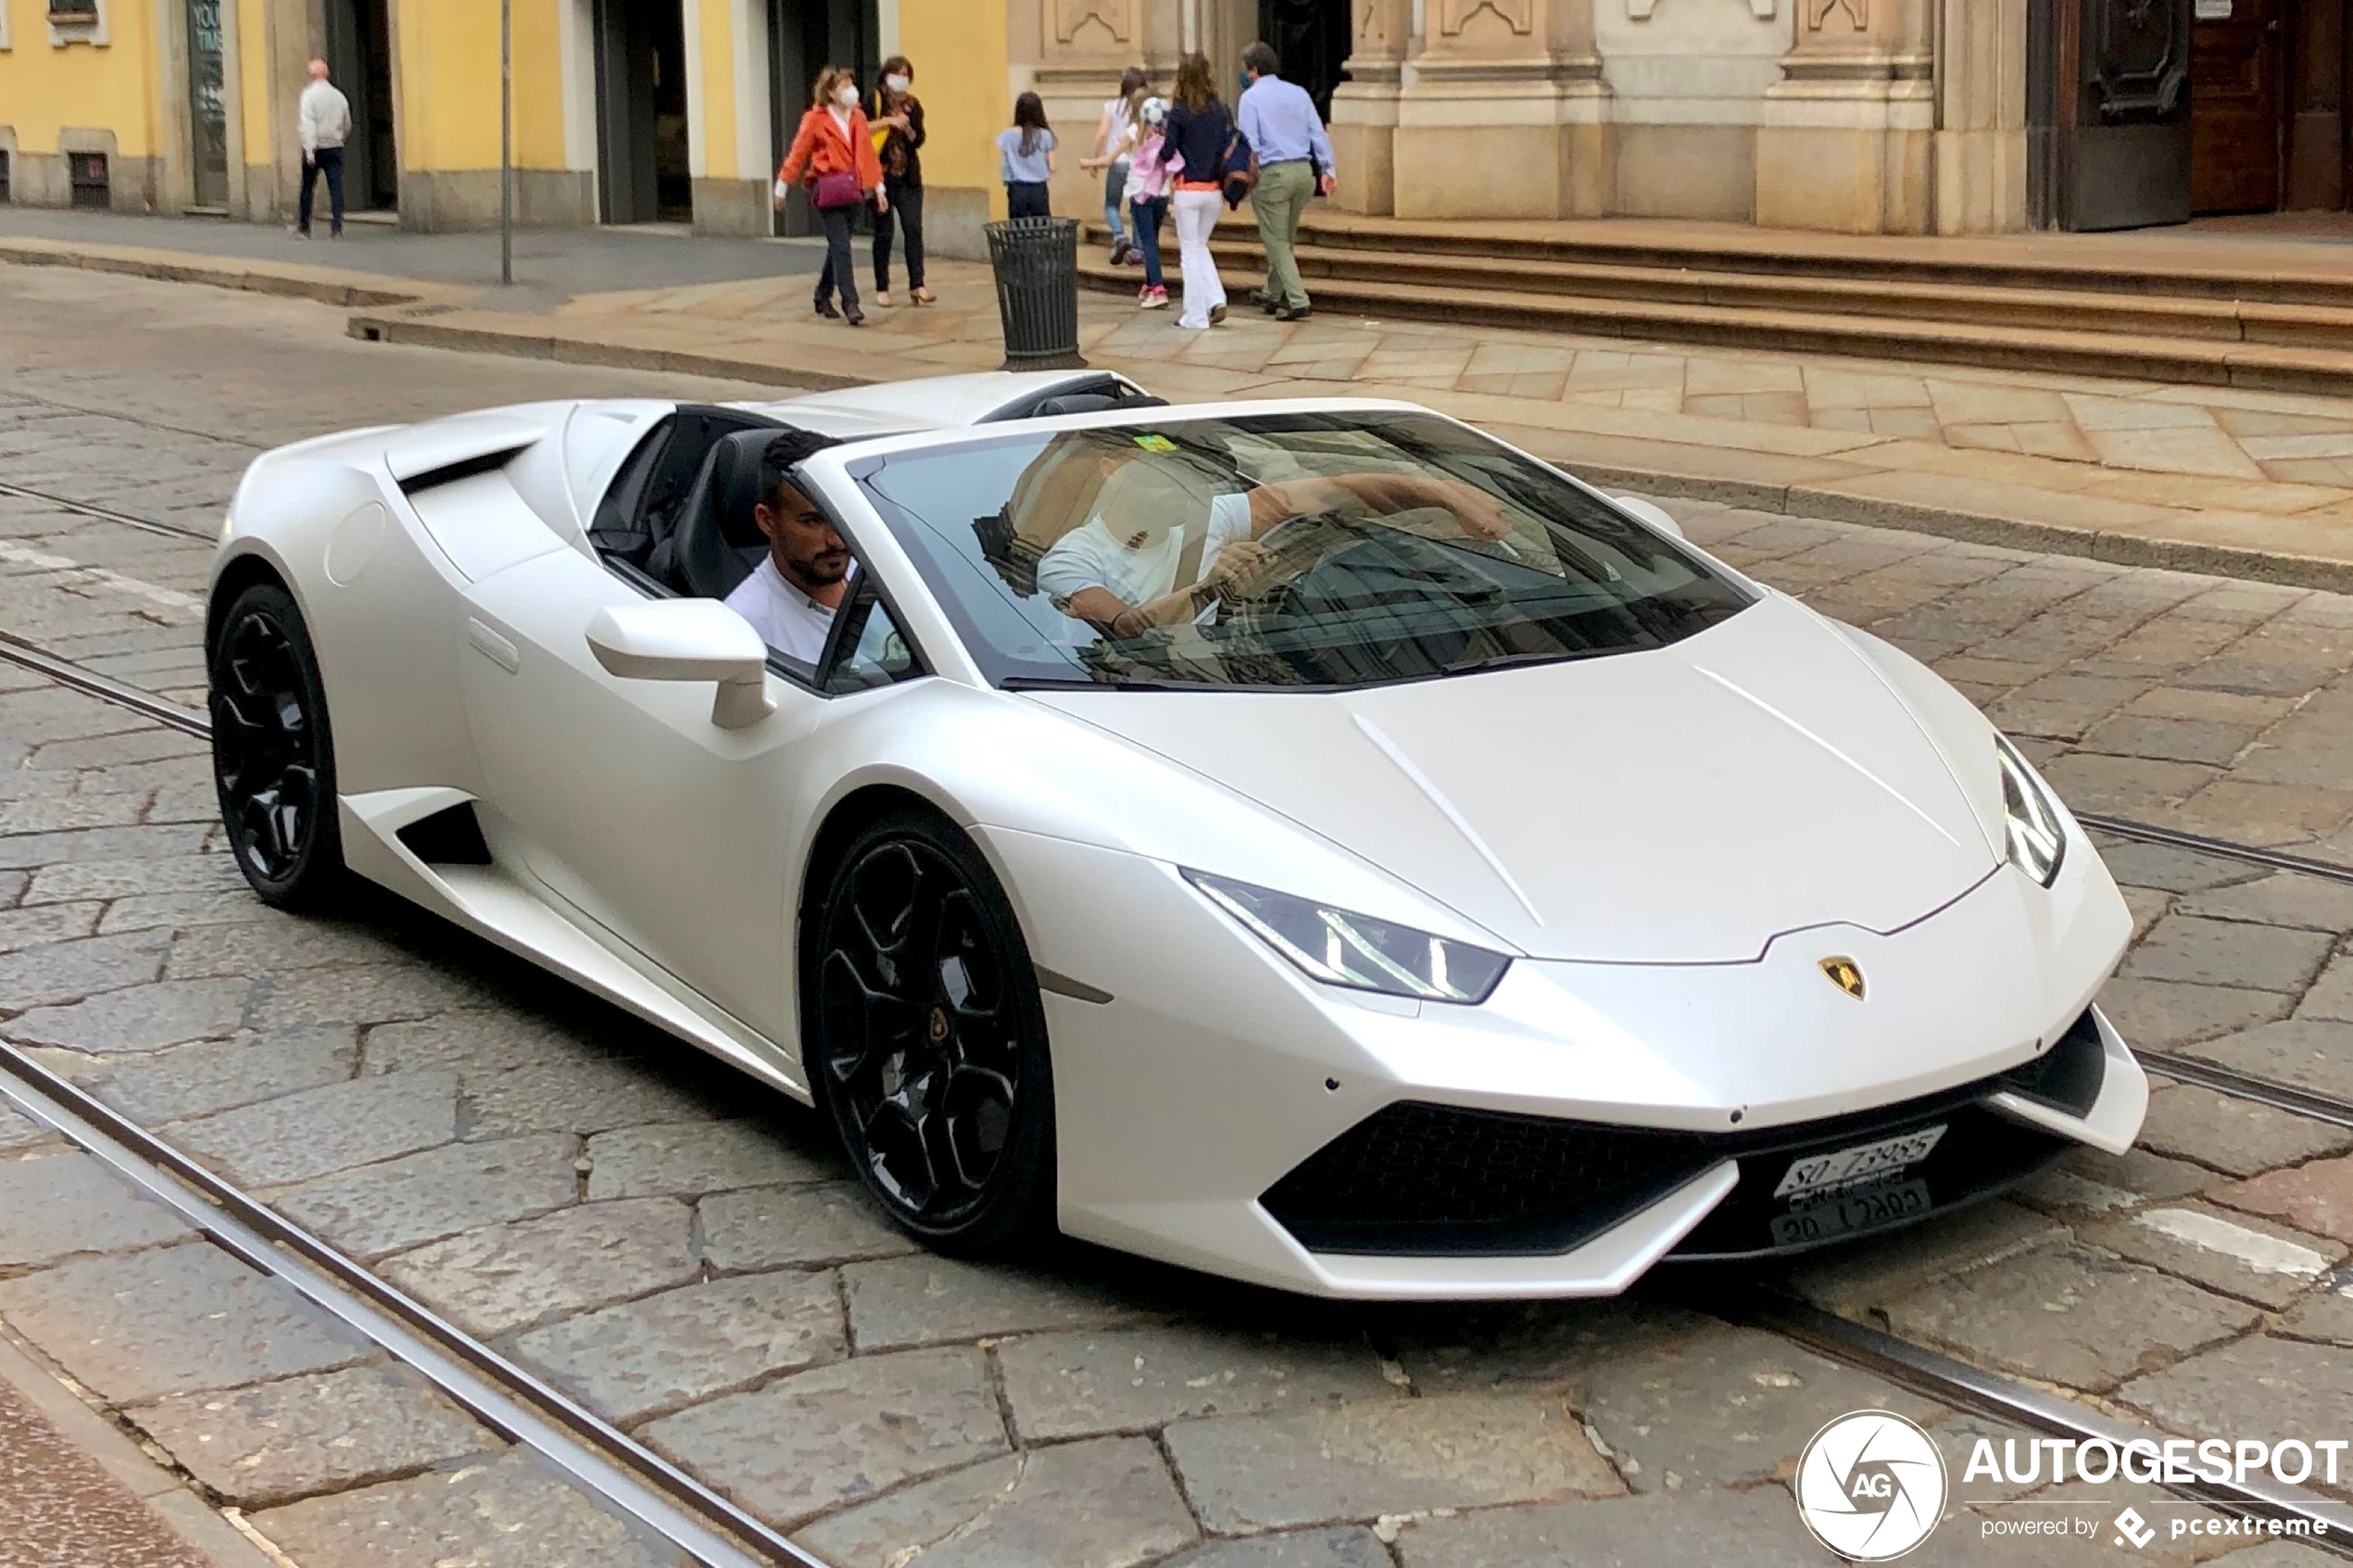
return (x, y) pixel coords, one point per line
(1196, 217)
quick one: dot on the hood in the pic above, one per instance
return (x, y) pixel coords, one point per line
(1684, 805)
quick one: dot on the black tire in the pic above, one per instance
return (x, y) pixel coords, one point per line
(273, 758)
(933, 1066)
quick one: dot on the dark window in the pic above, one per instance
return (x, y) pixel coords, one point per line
(4, 177)
(87, 174)
(74, 10)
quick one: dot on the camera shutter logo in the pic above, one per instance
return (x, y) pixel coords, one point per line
(1870, 1485)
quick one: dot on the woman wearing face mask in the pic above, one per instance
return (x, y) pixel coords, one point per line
(898, 122)
(833, 155)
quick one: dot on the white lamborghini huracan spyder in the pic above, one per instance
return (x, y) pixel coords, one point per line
(1308, 841)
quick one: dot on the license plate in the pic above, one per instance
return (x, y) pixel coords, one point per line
(1813, 1173)
(1857, 1208)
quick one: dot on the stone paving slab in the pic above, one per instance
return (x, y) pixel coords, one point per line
(1358, 1461)
(1060, 1386)
(775, 1227)
(1347, 1547)
(276, 1442)
(510, 1512)
(2234, 1254)
(2279, 1387)
(2318, 1197)
(2071, 1316)
(435, 1193)
(923, 1298)
(503, 1277)
(660, 1353)
(698, 1157)
(843, 1434)
(1731, 1407)
(1696, 1524)
(313, 1132)
(143, 1018)
(65, 1204)
(176, 1320)
(2236, 1137)
(198, 1080)
(1110, 1503)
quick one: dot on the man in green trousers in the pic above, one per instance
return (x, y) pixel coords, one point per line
(1294, 164)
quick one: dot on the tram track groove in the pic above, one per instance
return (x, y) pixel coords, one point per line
(105, 514)
(717, 1534)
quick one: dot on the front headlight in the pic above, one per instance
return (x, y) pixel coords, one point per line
(2037, 842)
(1341, 948)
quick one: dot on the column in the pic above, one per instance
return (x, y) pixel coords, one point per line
(1981, 138)
(1082, 47)
(1364, 107)
(1844, 141)
(1502, 112)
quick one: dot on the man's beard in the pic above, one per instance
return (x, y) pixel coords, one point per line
(822, 571)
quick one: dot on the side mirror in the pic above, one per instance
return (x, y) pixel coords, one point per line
(687, 640)
(1651, 513)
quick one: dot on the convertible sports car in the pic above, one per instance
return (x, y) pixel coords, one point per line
(1313, 842)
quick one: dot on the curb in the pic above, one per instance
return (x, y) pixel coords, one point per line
(422, 331)
(1979, 528)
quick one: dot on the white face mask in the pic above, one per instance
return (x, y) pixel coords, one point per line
(897, 83)
(846, 96)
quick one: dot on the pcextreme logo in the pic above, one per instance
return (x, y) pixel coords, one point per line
(1870, 1485)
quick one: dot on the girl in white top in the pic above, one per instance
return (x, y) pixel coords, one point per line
(1110, 133)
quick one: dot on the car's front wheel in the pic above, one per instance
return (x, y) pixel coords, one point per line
(272, 758)
(927, 1040)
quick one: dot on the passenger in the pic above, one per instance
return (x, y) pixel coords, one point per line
(1135, 564)
(790, 597)
(1138, 561)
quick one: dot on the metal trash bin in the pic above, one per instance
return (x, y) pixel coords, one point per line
(1036, 261)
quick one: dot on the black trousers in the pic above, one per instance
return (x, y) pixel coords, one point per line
(839, 271)
(1026, 198)
(907, 211)
(329, 162)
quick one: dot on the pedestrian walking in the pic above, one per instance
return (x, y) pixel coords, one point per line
(1198, 132)
(1113, 143)
(833, 158)
(1294, 167)
(898, 125)
(1027, 149)
(322, 123)
(1147, 192)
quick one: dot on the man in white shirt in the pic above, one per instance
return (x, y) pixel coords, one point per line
(1147, 558)
(322, 122)
(791, 597)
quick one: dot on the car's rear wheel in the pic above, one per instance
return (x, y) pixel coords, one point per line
(927, 1041)
(272, 757)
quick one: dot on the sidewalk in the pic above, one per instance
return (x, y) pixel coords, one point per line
(2249, 483)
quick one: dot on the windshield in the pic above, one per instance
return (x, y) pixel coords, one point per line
(1291, 550)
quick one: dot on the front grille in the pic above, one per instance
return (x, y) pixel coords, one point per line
(1416, 1179)
(1432, 1179)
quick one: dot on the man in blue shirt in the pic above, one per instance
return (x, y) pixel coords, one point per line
(1294, 163)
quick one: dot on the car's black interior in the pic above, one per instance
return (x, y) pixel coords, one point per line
(1090, 395)
(668, 479)
(717, 542)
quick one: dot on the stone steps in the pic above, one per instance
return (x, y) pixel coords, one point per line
(2277, 329)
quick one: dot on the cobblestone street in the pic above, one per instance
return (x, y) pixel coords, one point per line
(685, 1254)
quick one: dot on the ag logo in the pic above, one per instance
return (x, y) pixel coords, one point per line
(1870, 1485)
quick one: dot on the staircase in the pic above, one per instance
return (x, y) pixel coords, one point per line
(2173, 308)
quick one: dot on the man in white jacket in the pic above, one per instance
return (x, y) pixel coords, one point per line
(322, 122)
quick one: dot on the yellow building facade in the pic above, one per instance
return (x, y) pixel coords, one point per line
(625, 111)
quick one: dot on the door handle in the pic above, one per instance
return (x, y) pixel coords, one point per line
(492, 647)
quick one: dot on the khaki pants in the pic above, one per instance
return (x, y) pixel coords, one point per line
(1281, 201)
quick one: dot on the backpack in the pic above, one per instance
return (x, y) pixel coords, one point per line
(1238, 170)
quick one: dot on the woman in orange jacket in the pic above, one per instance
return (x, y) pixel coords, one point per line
(833, 156)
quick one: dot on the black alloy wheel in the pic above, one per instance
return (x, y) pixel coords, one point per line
(930, 1041)
(272, 759)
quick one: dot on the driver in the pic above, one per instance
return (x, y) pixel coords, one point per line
(791, 595)
(1132, 566)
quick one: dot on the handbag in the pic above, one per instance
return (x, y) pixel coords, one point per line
(1238, 170)
(835, 188)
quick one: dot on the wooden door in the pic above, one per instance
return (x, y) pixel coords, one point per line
(2121, 101)
(2235, 120)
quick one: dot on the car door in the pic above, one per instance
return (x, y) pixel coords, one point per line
(624, 798)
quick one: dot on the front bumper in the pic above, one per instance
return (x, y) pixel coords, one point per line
(1216, 1072)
